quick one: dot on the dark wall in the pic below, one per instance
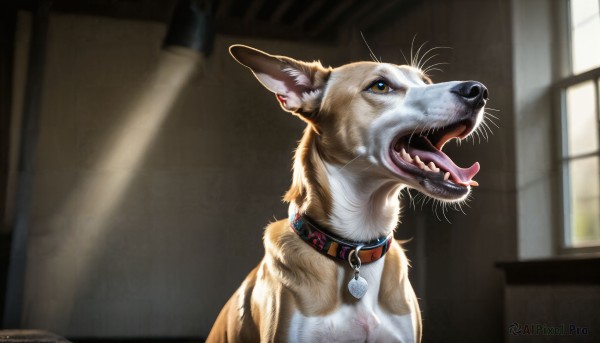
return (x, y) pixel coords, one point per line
(7, 34)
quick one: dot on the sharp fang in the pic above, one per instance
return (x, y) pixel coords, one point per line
(473, 183)
(406, 156)
(420, 163)
(446, 176)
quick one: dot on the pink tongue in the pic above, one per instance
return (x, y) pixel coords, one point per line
(458, 174)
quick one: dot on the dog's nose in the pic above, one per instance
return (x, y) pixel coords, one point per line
(472, 93)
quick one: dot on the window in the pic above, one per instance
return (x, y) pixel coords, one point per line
(580, 97)
(584, 34)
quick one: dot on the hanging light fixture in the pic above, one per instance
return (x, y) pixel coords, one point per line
(192, 26)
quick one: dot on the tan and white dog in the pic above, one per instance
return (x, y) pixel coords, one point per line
(373, 129)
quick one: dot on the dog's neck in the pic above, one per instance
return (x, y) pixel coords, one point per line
(342, 197)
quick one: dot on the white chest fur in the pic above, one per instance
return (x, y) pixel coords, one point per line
(363, 208)
(363, 321)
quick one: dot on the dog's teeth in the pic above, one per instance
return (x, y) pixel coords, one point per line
(420, 163)
(433, 167)
(406, 156)
(473, 183)
(425, 168)
(446, 176)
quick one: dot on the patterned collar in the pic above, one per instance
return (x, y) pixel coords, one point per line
(331, 245)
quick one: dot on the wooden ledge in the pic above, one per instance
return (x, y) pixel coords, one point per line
(30, 336)
(559, 270)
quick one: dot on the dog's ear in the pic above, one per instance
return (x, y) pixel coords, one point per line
(297, 85)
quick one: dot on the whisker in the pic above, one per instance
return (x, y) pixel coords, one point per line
(426, 200)
(420, 200)
(410, 197)
(485, 133)
(368, 47)
(444, 213)
(435, 205)
(420, 64)
(411, 135)
(461, 203)
(405, 59)
(478, 136)
(489, 115)
(416, 57)
(482, 129)
(491, 121)
(411, 49)
(431, 67)
(488, 127)
(366, 168)
(345, 165)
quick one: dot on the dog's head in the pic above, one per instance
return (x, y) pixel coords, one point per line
(390, 120)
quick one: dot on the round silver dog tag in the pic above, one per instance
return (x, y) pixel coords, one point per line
(358, 286)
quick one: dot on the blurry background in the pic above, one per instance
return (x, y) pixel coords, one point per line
(137, 178)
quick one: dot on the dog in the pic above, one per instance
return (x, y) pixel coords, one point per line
(332, 271)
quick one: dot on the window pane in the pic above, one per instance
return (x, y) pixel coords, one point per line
(585, 33)
(584, 201)
(582, 124)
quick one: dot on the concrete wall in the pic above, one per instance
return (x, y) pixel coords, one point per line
(153, 182)
(461, 292)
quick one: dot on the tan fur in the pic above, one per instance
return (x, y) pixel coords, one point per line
(309, 184)
(392, 294)
(344, 114)
(292, 275)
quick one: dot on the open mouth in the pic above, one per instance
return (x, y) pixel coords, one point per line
(421, 156)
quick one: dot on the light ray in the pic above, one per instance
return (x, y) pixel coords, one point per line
(98, 199)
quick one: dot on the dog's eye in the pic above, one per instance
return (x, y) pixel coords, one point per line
(380, 87)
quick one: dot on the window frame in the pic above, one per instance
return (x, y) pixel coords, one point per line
(568, 79)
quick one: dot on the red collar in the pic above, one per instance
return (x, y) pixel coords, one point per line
(331, 245)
